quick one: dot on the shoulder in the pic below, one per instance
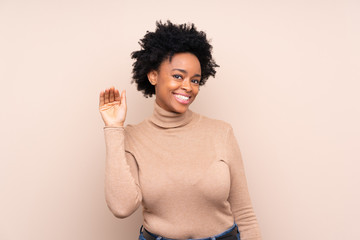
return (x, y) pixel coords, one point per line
(134, 136)
(134, 129)
(214, 123)
(215, 126)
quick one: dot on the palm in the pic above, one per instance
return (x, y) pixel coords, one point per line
(112, 107)
(112, 112)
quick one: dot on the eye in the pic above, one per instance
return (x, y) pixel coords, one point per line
(195, 81)
(177, 76)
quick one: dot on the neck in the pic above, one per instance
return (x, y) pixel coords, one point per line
(166, 119)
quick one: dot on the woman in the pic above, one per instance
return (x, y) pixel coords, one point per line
(184, 168)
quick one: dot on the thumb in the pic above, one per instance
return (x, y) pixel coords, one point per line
(123, 97)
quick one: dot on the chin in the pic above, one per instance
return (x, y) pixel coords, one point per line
(180, 109)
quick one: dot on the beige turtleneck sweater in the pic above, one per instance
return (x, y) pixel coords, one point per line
(187, 172)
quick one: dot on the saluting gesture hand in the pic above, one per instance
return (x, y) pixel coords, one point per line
(112, 107)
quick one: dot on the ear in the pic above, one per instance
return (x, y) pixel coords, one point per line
(153, 77)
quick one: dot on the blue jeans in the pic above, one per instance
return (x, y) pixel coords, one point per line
(141, 236)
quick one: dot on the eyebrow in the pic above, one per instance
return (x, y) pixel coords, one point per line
(184, 71)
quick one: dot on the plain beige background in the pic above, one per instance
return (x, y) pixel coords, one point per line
(288, 84)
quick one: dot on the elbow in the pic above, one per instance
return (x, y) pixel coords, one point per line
(122, 205)
(120, 213)
(123, 210)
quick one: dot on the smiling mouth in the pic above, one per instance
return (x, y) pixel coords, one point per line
(182, 99)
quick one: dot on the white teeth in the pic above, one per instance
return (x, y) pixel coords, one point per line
(182, 97)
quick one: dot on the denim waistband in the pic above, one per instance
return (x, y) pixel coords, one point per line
(207, 238)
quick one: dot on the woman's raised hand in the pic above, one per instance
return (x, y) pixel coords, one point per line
(112, 107)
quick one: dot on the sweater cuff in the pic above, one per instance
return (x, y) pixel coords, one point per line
(109, 127)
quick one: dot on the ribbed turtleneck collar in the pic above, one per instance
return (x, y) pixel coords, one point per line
(166, 119)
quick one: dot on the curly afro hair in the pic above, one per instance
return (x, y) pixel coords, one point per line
(167, 40)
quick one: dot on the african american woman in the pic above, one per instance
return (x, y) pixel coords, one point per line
(184, 168)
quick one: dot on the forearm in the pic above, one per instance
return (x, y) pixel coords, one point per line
(122, 192)
(247, 222)
(239, 196)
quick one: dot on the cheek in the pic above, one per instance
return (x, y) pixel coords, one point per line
(196, 91)
(166, 86)
(173, 85)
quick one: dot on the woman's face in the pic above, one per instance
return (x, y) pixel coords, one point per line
(176, 82)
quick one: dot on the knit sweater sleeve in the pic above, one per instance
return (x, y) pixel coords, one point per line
(239, 197)
(122, 189)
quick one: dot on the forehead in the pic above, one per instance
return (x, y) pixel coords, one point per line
(185, 61)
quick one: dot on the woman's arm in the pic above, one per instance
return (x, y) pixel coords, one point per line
(122, 189)
(239, 197)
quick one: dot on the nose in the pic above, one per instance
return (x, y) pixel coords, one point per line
(186, 85)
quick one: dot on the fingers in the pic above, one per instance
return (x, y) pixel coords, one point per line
(110, 95)
(107, 94)
(117, 95)
(102, 98)
(123, 97)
